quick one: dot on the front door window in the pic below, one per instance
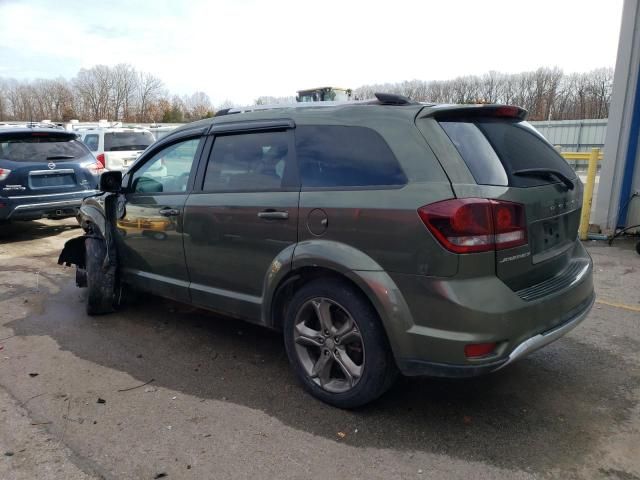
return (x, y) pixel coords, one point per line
(168, 170)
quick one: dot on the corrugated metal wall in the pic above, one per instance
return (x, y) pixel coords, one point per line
(574, 135)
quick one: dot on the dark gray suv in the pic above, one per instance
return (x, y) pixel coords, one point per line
(380, 237)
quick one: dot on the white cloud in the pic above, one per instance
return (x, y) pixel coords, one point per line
(240, 49)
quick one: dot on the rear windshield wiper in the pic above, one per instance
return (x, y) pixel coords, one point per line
(545, 172)
(59, 157)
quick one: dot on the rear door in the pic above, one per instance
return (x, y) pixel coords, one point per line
(244, 218)
(45, 164)
(509, 160)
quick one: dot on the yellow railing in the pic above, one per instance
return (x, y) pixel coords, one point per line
(581, 156)
(593, 157)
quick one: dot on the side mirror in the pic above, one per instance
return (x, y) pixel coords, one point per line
(111, 181)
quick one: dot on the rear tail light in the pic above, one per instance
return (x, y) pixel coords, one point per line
(475, 350)
(4, 173)
(100, 160)
(467, 225)
(94, 167)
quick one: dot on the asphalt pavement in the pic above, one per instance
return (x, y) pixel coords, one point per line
(161, 388)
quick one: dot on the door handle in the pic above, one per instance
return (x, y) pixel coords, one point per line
(169, 212)
(273, 215)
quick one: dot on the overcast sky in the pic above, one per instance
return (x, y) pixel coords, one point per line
(242, 49)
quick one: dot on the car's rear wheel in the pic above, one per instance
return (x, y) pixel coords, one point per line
(101, 284)
(336, 344)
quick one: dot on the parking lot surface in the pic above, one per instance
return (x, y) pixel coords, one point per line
(162, 388)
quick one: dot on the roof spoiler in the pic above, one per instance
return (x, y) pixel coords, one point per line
(473, 110)
(393, 99)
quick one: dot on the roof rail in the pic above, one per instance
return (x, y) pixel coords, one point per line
(381, 99)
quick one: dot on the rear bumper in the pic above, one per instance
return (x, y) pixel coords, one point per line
(32, 207)
(440, 316)
(419, 367)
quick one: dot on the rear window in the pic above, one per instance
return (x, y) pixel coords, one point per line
(123, 141)
(495, 149)
(41, 148)
(341, 156)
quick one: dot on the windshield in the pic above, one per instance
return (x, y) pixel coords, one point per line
(41, 148)
(123, 141)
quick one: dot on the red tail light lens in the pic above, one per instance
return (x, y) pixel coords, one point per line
(509, 223)
(4, 173)
(467, 225)
(100, 160)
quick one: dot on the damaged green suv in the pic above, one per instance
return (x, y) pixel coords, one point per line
(380, 237)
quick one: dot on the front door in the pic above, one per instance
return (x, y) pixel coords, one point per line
(244, 218)
(150, 227)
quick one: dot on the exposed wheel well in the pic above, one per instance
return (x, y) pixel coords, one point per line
(294, 281)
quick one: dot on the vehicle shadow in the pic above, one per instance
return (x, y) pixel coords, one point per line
(24, 231)
(537, 413)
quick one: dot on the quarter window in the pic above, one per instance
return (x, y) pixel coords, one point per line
(248, 161)
(341, 156)
(168, 170)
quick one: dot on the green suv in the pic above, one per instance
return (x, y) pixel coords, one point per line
(381, 237)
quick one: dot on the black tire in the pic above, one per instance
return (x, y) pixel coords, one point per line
(379, 370)
(100, 283)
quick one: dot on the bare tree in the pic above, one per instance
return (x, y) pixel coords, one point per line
(198, 106)
(125, 83)
(149, 88)
(94, 86)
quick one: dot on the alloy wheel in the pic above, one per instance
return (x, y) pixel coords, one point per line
(329, 345)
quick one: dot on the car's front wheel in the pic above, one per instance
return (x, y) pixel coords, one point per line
(100, 282)
(336, 344)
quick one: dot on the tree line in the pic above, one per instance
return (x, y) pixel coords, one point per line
(118, 93)
(125, 94)
(546, 93)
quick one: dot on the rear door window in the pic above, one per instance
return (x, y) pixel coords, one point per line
(495, 149)
(344, 156)
(257, 161)
(41, 148)
(125, 141)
